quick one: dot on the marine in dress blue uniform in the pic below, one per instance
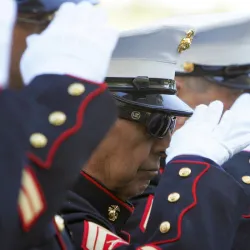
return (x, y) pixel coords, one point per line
(45, 134)
(193, 186)
(144, 97)
(212, 61)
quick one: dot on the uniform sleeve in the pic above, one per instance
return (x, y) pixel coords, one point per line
(14, 134)
(196, 205)
(238, 167)
(70, 119)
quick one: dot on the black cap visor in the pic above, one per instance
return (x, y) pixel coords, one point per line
(169, 104)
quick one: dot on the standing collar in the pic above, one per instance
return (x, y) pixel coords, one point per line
(114, 210)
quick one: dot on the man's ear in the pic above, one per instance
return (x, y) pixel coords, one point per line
(179, 83)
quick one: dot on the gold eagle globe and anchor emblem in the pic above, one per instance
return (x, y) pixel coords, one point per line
(187, 41)
(113, 212)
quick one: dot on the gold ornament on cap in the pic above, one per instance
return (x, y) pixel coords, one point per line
(186, 42)
(188, 67)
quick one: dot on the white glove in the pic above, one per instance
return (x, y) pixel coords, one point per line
(208, 135)
(77, 42)
(8, 11)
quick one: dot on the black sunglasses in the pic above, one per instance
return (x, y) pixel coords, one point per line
(157, 124)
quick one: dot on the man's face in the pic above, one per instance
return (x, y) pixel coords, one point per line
(142, 174)
(131, 158)
(142, 160)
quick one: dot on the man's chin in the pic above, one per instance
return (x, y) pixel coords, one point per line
(141, 189)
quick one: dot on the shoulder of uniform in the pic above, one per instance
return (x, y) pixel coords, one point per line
(63, 104)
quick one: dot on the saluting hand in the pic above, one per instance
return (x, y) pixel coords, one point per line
(210, 133)
(78, 42)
